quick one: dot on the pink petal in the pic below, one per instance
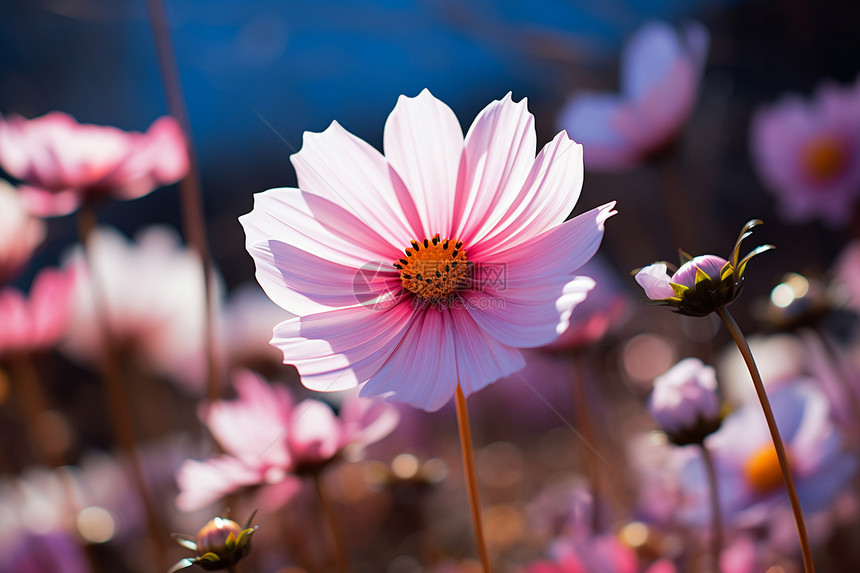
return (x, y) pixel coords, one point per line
(342, 168)
(527, 317)
(648, 56)
(307, 283)
(203, 483)
(312, 224)
(654, 279)
(481, 359)
(422, 370)
(44, 203)
(424, 143)
(367, 420)
(50, 305)
(276, 495)
(530, 305)
(546, 199)
(339, 349)
(159, 157)
(315, 433)
(499, 152)
(252, 428)
(15, 326)
(659, 114)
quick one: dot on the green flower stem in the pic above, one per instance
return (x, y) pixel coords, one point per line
(330, 512)
(117, 397)
(716, 513)
(190, 192)
(743, 346)
(471, 477)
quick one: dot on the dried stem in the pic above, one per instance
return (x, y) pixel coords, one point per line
(190, 193)
(328, 509)
(716, 514)
(118, 401)
(743, 346)
(471, 477)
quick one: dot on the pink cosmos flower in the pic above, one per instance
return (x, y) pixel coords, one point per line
(430, 266)
(20, 232)
(808, 153)
(660, 74)
(64, 163)
(268, 439)
(37, 323)
(152, 291)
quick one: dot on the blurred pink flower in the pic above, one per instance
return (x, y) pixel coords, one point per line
(660, 74)
(36, 323)
(64, 163)
(268, 440)
(20, 232)
(430, 266)
(152, 293)
(808, 153)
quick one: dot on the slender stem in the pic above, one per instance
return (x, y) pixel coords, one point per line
(585, 421)
(735, 331)
(190, 193)
(296, 547)
(328, 509)
(716, 517)
(471, 477)
(118, 401)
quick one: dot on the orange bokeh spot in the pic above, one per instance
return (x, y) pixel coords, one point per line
(824, 158)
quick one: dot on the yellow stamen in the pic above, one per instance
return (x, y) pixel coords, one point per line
(824, 158)
(762, 469)
(434, 268)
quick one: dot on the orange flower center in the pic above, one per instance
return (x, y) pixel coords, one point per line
(762, 469)
(824, 158)
(434, 269)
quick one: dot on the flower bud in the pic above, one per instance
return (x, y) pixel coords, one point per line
(218, 535)
(684, 402)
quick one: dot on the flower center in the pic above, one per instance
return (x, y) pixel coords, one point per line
(762, 469)
(433, 269)
(824, 158)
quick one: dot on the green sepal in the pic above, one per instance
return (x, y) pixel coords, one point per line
(701, 276)
(756, 251)
(250, 519)
(679, 290)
